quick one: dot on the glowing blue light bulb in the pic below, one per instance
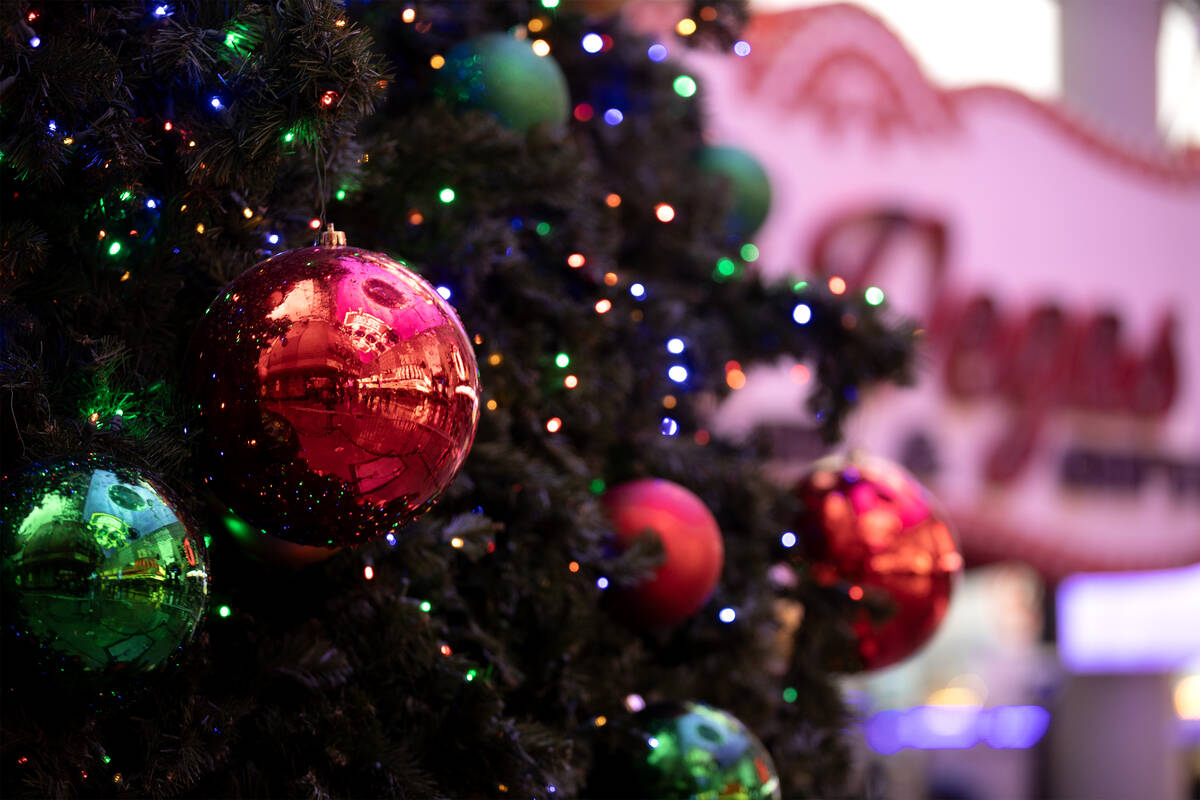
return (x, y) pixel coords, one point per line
(151, 204)
(637, 290)
(613, 116)
(741, 48)
(669, 427)
(273, 238)
(652, 741)
(53, 126)
(161, 11)
(35, 42)
(602, 582)
(215, 102)
(727, 615)
(802, 314)
(593, 43)
(678, 373)
(444, 291)
(657, 52)
(788, 539)
(675, 346)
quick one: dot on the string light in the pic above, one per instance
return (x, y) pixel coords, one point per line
(369, 572)
(224, 611)
(596, 486)
(340, 194)
(167, 126)
(592, 43)
(573, 566)
(391, 539)
(491, 405)
(727, 615)
(669, 401)
(247, 213)
(669, 427)
(601, 721)
(726, 267)
(426, 606)
(35, 42)
(444, 291)
(873, 295)
(701, 437)
(314, 223)
(576, 260)
(124, 277)
(273, 238)
(69, 140)
(446, 195)
(800, 374)
(749, 252)
(543, 228)
(161, 11)
(570, 381)
(837, 285)
(637, 290)
(657, 53)
(437, 61)
(554, 425)
(790, 694)
(200, 227)
(288, 137)
(329, 98)
(101, 234)
(549, 3)
(603, 306)
(562, 360)
(708, 13)
(664, 212)
(856, 593)
(541, 47)
(114, 248)
(536, 24)
(741, 48)
(677, 373)
(151, 203)
(613, 116)
(802, 314)
(494, 359)
(409, 14)
(788, 539)
(685, 26)
(216, 103)
(457, 542)
(684, 85)
(583, 112)
(445, 650)
(602, 583)
(471, 675)
(612, 200)
(735, 378)
(675, 346)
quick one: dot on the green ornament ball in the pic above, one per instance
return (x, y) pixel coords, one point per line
(749, 187)
(501, 75)
(101, 572)
(685, 750)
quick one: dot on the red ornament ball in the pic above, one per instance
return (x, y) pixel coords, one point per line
(868, 523)
(338, 393)
(692, 541)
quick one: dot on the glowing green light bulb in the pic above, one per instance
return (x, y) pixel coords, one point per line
(446, 195)
(224, 611)
(790, 694)
(288, 137)
(685, 86)
(114, 248)
(543, 228)
(426, 606)
(749, 252)
(726, 267)
(562, 360)
(873, 295)
(597, 485)
(341, 194)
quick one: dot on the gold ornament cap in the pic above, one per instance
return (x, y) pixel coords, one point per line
(330, 237)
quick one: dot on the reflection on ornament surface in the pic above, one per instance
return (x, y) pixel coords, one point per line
(99, 567)
(868, 523)
(339, 394)
(694, 750)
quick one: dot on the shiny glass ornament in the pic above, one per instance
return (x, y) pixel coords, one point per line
(749, 187)
(694, 552)
(338, 392)
(867, 525)
(686, 750)
(502, 75)
(100, 569)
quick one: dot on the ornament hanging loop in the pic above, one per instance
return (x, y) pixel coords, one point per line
(330, 237)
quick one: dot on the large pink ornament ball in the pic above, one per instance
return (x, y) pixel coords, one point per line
(338, 392)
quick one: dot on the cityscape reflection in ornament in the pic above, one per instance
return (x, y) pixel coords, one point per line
(100, 569)
(339, 394)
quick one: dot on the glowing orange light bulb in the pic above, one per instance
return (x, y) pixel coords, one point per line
(664, 212)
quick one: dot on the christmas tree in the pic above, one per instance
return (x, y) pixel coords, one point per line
(152, 152)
